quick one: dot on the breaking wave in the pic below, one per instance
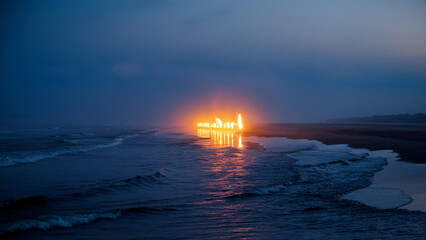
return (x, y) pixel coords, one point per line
(121, 185)
(268, 190)
(105, 187)
(321, 157)
(56, 221)
(68, 221)
(259, 192)
(31, 157)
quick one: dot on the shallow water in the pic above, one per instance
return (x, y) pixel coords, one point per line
(207, 185)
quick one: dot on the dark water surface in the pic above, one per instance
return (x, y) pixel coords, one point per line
(108, 183)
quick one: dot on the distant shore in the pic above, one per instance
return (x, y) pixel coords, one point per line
(409, 141)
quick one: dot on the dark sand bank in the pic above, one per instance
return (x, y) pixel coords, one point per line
(409, 141)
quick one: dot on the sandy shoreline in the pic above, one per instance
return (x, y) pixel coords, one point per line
(410, 178)
(409, 141)
(401, 184)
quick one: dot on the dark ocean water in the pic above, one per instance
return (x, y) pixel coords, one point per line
(122, 183)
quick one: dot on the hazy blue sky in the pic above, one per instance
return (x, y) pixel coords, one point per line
(138, 61)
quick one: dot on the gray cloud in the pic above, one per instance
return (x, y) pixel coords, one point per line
(298, 61)
(128, 70)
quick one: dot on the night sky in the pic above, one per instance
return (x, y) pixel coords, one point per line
(147, 61)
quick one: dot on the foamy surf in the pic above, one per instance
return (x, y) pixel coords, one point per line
(393, 187)
(318, 158)
(157, 183)
(49, 222)
(260, 192)
(381, 198)
(57, 221)
(283, 145)
(32, 157)
(268, 190)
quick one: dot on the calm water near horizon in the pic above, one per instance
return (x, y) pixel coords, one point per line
(126, 183)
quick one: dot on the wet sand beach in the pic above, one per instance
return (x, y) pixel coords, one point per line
(409, 141)
(404, 174)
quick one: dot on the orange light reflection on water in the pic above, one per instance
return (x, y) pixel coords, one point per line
(222, 138)
(226, 164)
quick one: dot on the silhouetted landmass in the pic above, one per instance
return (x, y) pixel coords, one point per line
(400, 118)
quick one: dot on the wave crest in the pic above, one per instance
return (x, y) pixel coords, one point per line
(259, 192)
(55, 221)
(32, 157)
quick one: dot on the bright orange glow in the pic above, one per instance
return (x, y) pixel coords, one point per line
(219, 124)
(240, 121)
(222, 138)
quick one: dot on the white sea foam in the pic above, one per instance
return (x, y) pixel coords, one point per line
(384, 193)
(268, 190)
(316, 157)
(390, 155)
(31, 157)
(281, 144)
(382, 198)
(57, 221)
(334, 147)
(314, 153)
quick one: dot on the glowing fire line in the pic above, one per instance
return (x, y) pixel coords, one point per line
(219, 124)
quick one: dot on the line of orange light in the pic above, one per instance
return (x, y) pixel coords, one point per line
(219, 124)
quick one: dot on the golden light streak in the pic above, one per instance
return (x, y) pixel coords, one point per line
(222, 133)
(222, 138)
